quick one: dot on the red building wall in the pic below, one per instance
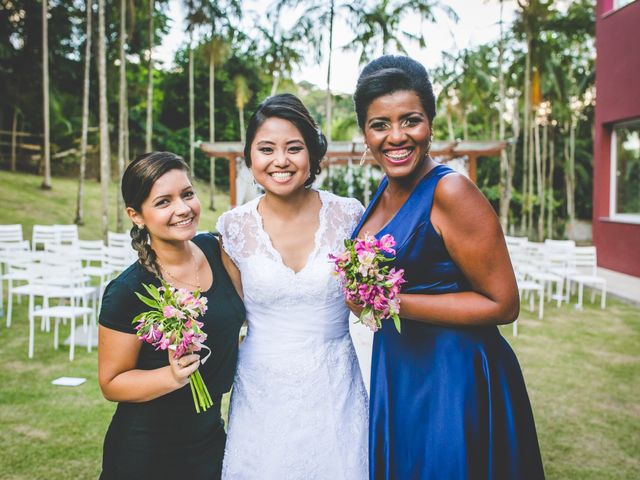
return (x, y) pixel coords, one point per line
(617, 99)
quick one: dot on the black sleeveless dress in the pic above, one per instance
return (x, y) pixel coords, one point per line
(165, 437)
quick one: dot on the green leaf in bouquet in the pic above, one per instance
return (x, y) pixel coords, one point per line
(153, 291)
(147, 301)
(396, 321)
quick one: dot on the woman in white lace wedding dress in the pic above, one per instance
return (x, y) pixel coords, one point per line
(299, 406)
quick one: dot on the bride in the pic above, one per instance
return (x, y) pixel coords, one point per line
(299, 406)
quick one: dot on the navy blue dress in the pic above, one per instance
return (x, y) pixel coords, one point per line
(446, 402)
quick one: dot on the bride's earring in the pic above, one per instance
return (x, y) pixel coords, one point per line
(364, 155)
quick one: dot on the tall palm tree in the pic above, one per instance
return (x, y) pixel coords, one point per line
(377, 26)
(46, 180)
(220, 15)
(321, 13)
(282, 49)
(79, 220)
(105, 153)
(123, 117)
(195, 17)
(243, 94)
(149, 125)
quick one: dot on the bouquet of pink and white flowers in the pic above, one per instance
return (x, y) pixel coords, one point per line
(172, 325)
(366, 282)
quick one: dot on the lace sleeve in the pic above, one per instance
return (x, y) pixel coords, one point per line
(229, 230)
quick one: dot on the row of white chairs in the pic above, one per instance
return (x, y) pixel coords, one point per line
(553, 269)
(72, 275)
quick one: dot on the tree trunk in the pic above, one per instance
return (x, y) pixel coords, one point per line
(504, 162)
(212, 128)
(14, 138)
(46, 180)
(241, 119)
(465, 125)
(569, 175)
(274, 85)
(515, 128)
(149, 133)
(530, 181)
(122, 112)
(85, 118)
(526, 139)
(192, 159)
(452, 136)
(329, 100)
(539, 184)
(550, 188)
(105, 153)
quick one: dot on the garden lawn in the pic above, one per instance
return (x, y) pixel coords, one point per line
(23, 201)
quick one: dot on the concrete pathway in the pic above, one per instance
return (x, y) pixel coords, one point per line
(623, 287)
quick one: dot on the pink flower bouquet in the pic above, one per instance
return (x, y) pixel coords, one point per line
(366, 282)
(172, 325)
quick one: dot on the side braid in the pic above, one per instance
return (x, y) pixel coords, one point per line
(140, 243)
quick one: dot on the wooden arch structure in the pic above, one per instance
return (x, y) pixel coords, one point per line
(345, 153)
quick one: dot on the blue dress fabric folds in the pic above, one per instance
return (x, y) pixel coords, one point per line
(446, 402)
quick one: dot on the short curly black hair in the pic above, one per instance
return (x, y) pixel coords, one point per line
(389, 74)
(289, 107)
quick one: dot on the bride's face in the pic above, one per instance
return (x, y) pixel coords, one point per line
(279, 157)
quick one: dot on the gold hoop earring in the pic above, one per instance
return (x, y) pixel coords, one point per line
(364, 156)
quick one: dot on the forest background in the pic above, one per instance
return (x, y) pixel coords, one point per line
(82, 94)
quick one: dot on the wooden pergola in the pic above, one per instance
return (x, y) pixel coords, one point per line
(345, 153)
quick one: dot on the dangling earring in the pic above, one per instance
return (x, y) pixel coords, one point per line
(364, 155)
(140, 227)
(429, 145)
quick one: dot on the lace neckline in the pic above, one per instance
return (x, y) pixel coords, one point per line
(269, 244)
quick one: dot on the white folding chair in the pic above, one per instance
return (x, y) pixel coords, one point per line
(527, 289)
(17, 275)
(66, 285)
(44, 235)
(7, 253)
(68, 234)
(118, 259)
(586, 263)
(11, 233)
(118, 240)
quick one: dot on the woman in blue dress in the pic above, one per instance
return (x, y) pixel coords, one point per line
(448, 400)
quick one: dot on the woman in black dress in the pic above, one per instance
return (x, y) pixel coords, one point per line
(155, 432)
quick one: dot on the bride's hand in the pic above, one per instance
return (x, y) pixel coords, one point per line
(355, 308)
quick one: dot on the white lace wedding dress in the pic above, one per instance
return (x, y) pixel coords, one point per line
(299, 408)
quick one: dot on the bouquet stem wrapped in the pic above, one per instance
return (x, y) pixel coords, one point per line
(365, 281)
(172, 325)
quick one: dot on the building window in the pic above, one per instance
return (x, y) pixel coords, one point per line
(625, 168)
(621, 3)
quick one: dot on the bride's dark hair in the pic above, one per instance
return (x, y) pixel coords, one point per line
(289, 107)
(137, 181)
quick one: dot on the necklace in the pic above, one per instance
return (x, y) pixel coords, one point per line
(175, 279)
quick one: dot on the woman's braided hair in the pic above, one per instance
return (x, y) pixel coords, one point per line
(137, 181)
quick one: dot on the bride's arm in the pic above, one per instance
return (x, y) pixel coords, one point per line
(473, 237)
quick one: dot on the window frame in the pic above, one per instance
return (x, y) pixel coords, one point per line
(613, 191)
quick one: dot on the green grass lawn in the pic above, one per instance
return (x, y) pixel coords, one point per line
(582, 370)
(22, 201)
